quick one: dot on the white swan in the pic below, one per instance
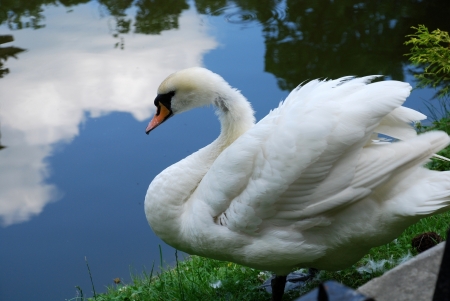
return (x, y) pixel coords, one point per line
(304, 187)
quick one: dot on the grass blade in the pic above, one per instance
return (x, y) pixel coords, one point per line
(90, 275)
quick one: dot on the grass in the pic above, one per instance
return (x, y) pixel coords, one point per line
(197, 278)
(194, 278)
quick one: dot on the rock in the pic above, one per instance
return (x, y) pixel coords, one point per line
(412, 280)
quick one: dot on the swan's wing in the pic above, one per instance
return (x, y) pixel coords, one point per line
(397, 123)
(303, 159)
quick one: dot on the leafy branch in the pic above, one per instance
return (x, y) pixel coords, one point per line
(432, 52)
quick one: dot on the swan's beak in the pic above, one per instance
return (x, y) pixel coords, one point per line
(162, 115)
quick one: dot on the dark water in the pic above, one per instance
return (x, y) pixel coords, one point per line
(76, 93)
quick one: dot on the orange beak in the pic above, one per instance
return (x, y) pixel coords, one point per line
(162, 115)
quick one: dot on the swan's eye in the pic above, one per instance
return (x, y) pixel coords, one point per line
(164, 99)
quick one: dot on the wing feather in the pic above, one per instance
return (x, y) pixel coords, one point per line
(311, 155)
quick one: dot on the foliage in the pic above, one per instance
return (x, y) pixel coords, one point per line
(432, 52)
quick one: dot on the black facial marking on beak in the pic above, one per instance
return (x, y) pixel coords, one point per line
(163, 103)
(165, 99)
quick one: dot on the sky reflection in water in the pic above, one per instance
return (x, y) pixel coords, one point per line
(76, 72)
(73, 111)
(65, 144)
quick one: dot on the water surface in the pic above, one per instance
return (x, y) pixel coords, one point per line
(78, 79)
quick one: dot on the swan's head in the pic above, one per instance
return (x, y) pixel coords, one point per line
(185, 90)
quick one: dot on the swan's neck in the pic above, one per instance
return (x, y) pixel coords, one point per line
(236, 117)
(170, 191)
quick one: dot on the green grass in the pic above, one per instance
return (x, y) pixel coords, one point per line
(194, 277)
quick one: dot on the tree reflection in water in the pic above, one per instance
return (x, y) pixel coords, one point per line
(304, 39)
(7, 52)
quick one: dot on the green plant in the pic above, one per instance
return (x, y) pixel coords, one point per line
(432, 52)
(440, 114)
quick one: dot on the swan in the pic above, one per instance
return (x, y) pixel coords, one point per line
(310, 185)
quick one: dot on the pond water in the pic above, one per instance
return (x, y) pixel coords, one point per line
(78, 79)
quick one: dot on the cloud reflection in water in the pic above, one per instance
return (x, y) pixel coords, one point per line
(72, 70)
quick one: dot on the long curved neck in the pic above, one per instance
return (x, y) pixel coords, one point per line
(236, 117)
(172, 188)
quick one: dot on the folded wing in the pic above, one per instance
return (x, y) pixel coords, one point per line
(313, 155)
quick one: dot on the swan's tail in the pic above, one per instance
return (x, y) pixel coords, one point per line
(397, 124)
(415, 190)
(428, 193)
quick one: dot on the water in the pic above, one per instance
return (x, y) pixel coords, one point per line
(77, 96)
